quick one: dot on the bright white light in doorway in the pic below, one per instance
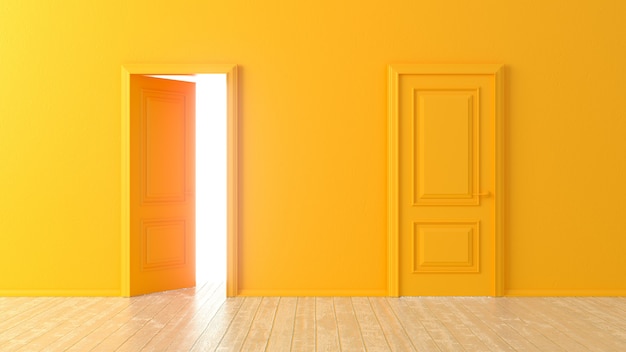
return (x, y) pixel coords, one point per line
(210, 177)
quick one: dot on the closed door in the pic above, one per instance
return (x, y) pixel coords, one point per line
(448, 183)
(162, 184)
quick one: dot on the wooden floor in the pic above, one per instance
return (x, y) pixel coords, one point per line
(203, 319)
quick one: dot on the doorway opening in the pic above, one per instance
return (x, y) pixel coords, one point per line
(210, 174)
(216, 169)
(210, 177)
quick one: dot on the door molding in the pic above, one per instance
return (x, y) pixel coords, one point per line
(395, 71)
(232, 210)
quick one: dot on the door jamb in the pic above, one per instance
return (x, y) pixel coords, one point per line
(232, 208)
(394, 73)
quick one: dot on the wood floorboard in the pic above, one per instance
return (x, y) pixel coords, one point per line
(347, 325)
(190, 324)
(131, 322)
(15, 310)
(371, 330)
(542, 334)
(282, 332)
(203, 319)
(436, 329)
(608, 316)
(215, 329)
(304, 328)
(180, 323)
(262, 324)
(15, 319)
(393, 330)
(496, 317)
(567, 317)
(606, 321)
(239, 328)
(419, 335)
(88, 322)
(40, 322)
(484, 331)
(326, 332)
(62, 324)
(443, 310)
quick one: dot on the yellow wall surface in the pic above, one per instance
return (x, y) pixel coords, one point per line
(313, 114)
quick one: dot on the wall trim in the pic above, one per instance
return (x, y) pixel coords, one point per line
(311, 293)
(60, 293)
(565, 292)
(232, 237)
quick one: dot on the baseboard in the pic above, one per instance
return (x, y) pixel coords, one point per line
(60, 293)
(310, 293)
(565, 292)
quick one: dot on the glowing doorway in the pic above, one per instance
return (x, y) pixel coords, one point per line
(211, 189)
(211, 177)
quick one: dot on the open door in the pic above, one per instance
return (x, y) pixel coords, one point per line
(162, 184)
(165, 262)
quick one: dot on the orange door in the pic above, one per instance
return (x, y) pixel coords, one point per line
(447, 182)
(162, 184)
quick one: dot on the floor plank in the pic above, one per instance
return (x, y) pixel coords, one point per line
(413, 326)
(188, 324)
(216, 328)
(566, 317)
(262, 324)
(534, 319)
(496, 317)
(281, 336)
(484, 331)
(64, 324)
(11, 328)
(134, 319)
(394, 332)
(371, 331)
(350, 338)
(183, 322)
(83, 328)
(304, 328)
(155, 324)
(41, 323)
(442, 309)
(240, 326)
(440, 334)
(604, 314)
(326, 332)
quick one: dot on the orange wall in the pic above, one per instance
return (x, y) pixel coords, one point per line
(313, 122)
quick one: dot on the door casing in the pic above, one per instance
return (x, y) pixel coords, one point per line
(232, 162)
(394, 74)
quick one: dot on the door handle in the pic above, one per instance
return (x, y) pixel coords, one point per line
(482, 194)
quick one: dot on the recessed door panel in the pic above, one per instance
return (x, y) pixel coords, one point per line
(163, 146)
(445, 146)
(163, 244)
(446, 246)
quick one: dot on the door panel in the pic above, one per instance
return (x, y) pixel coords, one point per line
(162, 184)
(446, 182)
(445, 147)
(445, 246)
